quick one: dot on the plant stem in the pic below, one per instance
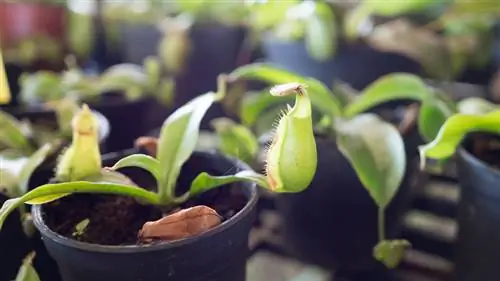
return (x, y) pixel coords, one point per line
(381, 224)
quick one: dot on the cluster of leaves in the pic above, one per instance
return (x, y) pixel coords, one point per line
(178, 138)
(374, 147)
(460, 37)
(39, 47)
(132, 80)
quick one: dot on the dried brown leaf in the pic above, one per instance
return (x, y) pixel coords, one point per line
(182, 224)
(150, 144)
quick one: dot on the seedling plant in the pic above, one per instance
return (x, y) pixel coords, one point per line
(79, 169)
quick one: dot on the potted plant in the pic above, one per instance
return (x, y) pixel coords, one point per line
(32, 36)
(308, 38)
(471, 135)
(184, 180)
(28, 152)
(457, 43)
(349, 143)
(116, 92)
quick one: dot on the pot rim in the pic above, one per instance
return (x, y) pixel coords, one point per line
(477, 162)
(125, 249)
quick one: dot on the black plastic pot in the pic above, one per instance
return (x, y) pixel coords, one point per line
(355, 64)
(478, 243)
(219, 254)
(215, 50)
(128, 119)
(14, 245)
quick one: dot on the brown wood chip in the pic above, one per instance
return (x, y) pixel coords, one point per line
(182, 224)
(150, 144)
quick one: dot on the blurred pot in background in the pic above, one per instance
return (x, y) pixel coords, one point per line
(32, 36)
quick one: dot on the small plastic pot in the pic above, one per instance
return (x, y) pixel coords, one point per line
(333, 223)
(355, 64)
(478, 242)
(218, 254)
(21, 20)
(14, 245)
(215, 50)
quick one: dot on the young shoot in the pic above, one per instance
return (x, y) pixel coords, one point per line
(291, 158)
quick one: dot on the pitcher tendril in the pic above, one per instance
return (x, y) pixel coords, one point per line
(291, 158)
(84, 149)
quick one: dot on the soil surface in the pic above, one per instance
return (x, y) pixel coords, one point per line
(116, 220)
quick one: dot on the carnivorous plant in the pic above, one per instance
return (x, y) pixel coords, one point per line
(374, 147)
(291, 158)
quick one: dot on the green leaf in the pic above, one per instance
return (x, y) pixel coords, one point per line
(40, 86)
(204, 182)
(475, 106)
(376, 151)
(8, 183)
(391, 252)
(395, 86)
(27, 272)
(50, 192)
(395, 8)
(354, 20)
(433, 113)
(322, 98)
(422, 45)
(236, 140)
(11, 135)
(454, 131)
(34, 161)
(178, 139)
(321, 34)
(142, 161)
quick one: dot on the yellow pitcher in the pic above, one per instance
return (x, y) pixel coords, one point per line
(4, 85)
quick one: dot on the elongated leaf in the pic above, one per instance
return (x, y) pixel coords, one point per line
(321, 97)
(475, 105)
(433, 113)
(236, 140)
(50, 192)
(142, 161)
(27, 272)
(5, 95)
(204, 182)
(376, 151)
(8, 183)
(420, 44)
(395, 86)
(454, 131)
(321, 34)
(34, 161)
(178, 139)
(11, 135)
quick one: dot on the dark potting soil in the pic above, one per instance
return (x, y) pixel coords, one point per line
(116, 220)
